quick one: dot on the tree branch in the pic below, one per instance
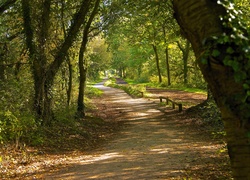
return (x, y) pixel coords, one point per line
(27, 27)
(77, 22)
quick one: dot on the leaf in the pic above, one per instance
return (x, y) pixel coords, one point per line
(227, 62)
(239, 76)
(248, 134)
(230, 50)
(235, 65)
(246, 86)
(225, 38)
(215, 53)
(203, 60)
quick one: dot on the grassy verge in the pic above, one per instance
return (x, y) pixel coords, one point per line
(163, 86)
(135, 91)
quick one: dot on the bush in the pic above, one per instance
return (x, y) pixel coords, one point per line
(93, 92)
(14, 128)
(16, 121)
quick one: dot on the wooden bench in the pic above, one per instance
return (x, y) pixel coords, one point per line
(173, 102)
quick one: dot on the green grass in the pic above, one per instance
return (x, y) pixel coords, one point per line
(193, 90)
(163, 86)
(93, 92)
(133, 90)
(130, 81)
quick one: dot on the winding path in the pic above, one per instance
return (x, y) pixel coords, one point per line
(152, 145)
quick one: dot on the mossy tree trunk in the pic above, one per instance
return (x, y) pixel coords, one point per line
(199, 20)
(44, 72)
(82, 62)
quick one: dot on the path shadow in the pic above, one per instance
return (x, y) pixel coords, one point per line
(152, 145)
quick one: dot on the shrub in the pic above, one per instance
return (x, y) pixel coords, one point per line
(16, 127)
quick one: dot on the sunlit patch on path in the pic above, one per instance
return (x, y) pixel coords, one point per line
(150, 146)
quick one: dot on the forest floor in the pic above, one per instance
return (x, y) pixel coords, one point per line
(149, 141)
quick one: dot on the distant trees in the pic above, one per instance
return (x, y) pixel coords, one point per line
(149, 26)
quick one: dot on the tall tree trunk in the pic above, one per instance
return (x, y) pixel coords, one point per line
(157, 63)
(42, 101)
(139, 70)
(166, 55)
(2, 72)
(82, 81)
(185, 61)
(69, 89)
(3, 50)
(44, 73)
(167, 66)
(70, 80)
(83, 64)
(185, 54)
(123, 72)
(199, 20)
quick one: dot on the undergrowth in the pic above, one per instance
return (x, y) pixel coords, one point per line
(210, 118)
(66, 134)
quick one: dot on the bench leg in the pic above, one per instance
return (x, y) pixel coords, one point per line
(180, 107)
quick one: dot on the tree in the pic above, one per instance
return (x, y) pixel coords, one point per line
(99, 58)
(82, 63)
(221, 45)
(185, 53)
(44, 65)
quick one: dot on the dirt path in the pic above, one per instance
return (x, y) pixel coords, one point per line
(152, 145)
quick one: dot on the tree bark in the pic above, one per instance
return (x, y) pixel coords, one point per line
(44, 73)
(83, 64)
(167, 66)
(3, 51)
(82, 80)
(42, 98)
(167, 56)
(2, 72)
(157, 63)
(199, 20)
(185, 53)
(69, 89)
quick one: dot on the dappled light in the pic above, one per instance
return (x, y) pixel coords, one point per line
(123, 89)
(150, 146)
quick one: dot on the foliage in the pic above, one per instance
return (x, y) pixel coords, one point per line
(16, 128)
(99, 58)
(138, 26)
(237, 54)
(16, 118)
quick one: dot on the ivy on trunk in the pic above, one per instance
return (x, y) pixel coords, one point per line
(200, 22)
(43, 71)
